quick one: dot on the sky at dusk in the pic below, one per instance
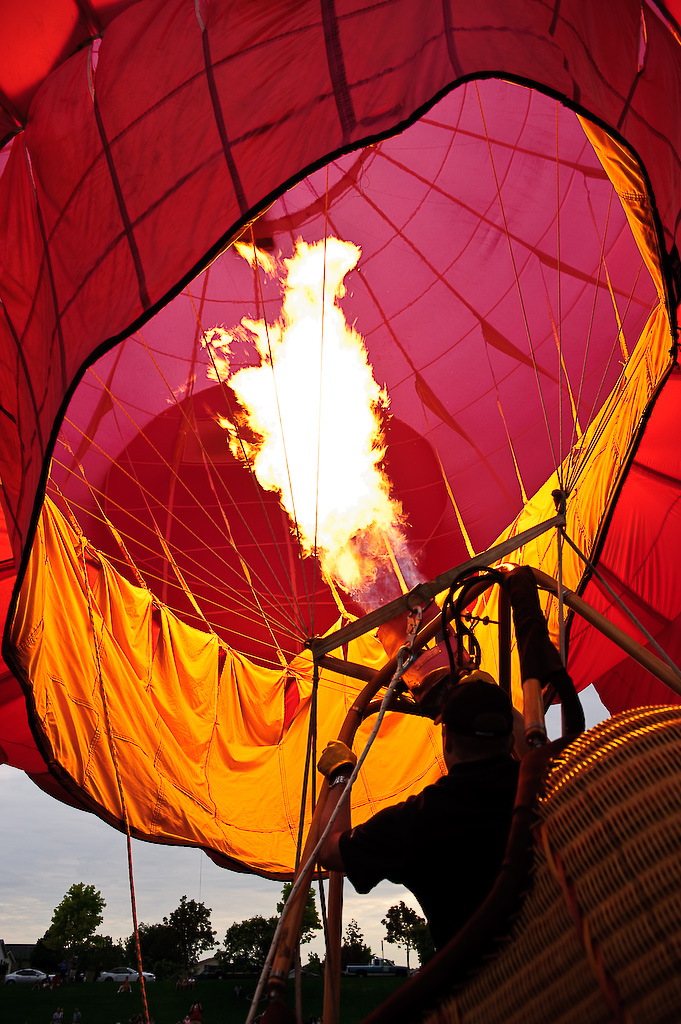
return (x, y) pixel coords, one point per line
(47, 846)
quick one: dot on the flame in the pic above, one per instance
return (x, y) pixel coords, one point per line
(255, 256)
(312, 421)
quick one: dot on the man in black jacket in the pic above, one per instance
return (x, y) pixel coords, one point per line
(447, 843)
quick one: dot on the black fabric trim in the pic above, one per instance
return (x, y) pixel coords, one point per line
(602, 534)
(235, 230)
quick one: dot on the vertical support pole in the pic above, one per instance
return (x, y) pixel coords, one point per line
(334, 923)
(533, 713)
(560, 501)
(504, 642)
(299, 987)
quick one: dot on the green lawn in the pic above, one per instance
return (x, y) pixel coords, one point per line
(100, 1004)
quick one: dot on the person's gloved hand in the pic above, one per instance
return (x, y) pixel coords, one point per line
(335, 755)
(478, 674)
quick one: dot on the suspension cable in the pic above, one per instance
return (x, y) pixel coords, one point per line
(404, 661)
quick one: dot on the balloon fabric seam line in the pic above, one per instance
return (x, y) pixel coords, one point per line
(258, 208)
(212, 735)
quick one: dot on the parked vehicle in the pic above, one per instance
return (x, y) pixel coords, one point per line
(211, 972)
(119, 974)
(305, 973)
(377, 966)
(26, 975)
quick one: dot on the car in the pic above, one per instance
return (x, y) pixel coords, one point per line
(26, 975)
(119, 974)
(210, 973)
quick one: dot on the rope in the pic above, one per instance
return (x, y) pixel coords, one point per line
(258, 490)
(583, 456)
(189, 422)
(509, 439)
(517, 281)
(237, 595)
(457, 512)
(518, 240)
(385, 320)
(103, 517)
(242, 561)
(227, 536)
(281, 427)
(119, 784)
(561, 363)
(181, 613)
(592, 950)
(618, 600)
(560, 534)
(563, 368)
(319, 404)
(146, 493)
(589, 333)
(402, 666)
(309, 760)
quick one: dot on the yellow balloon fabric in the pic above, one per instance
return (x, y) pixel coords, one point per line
(142, 716)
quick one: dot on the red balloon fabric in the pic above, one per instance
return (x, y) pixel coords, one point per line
(499, 288)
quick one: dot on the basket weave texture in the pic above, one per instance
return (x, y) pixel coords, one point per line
(598, 938)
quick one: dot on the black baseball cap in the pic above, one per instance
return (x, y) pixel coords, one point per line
(478, 707)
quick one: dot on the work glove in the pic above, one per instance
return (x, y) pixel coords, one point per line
(335, 755)
(478, 674)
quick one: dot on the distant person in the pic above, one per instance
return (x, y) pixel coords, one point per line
(125, 986)
(195, 1014)
(76, 1016)
(58, 1015)
(98, 971)
(238, 991)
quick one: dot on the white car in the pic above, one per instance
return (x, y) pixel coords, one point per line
(26, 975)
(119, 974)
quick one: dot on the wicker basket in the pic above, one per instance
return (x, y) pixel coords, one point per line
(599, 934)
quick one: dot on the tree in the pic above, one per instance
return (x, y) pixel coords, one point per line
(311, 922)
(423, 943)
(247, 943)
(354, 949)
(404, 927)
(193, 931)
(100, 950)
(43, 958)
(315, 965)
(75, 919)
(97, 950)
(158, 943)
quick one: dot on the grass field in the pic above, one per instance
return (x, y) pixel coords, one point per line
(100, 1004)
